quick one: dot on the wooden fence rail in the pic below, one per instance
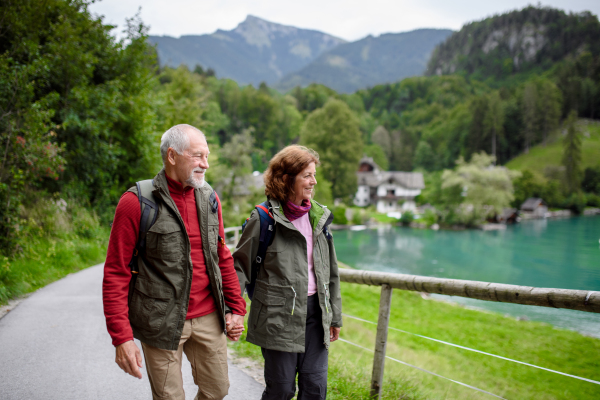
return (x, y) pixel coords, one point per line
(581, 300)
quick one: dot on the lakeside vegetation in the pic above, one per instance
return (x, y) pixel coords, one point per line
(531, 342)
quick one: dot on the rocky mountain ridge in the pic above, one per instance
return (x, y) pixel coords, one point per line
(370, 61)
(255, 51)
(534, 38)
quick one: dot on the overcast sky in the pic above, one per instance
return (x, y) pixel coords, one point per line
(347, 19)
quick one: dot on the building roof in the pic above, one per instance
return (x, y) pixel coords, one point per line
(532, 203)
(409, 180)
(366, 164)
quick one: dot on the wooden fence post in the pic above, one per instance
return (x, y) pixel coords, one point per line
(385, 303)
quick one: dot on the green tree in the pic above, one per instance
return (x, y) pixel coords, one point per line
(530, 114)
(323, 189)
(572, 155)
(485, 189)
(333, 131)
(550, 99)
(235, 161)
(74, 102)
(527, 185)
(381, 137)
(494, 120)
(376, 153)
(425, 157)
(184, 98)
(479, 110)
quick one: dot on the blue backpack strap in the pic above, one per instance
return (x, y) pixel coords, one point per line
(267, 233)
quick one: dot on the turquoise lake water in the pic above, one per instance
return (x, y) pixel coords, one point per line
(553, 253)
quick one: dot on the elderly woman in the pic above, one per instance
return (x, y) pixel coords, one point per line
(296, 307)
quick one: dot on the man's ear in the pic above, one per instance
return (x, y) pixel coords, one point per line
(171, 156)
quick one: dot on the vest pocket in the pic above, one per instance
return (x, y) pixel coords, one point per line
(165, 240)
(149, 305)
(271, 316)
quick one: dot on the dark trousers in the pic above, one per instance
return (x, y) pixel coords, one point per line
(311, 366)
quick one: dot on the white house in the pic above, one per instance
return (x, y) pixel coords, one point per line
(389, 190)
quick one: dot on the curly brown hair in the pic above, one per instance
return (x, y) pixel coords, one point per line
(283, 168)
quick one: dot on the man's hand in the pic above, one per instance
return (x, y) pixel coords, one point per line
(334, 333)
(234, 325)
(129, 358)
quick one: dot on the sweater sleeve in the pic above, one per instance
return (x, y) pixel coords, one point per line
(231, 285)
(115, 285)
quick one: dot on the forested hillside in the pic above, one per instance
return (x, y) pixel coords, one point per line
(531, 40)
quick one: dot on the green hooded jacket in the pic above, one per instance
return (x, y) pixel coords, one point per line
(277, 318)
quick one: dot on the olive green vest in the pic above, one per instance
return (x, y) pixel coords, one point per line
(160, 298)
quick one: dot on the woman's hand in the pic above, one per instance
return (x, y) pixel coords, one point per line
(334, 333)
(234, 325)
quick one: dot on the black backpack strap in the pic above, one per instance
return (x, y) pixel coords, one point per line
(326, 230)
(212, 200)
(148, 213)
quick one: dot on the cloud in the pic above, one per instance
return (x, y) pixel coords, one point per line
(348, 19)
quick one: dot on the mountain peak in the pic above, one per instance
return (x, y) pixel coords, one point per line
(259, 32)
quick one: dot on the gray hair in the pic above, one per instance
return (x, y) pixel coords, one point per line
(177, 138)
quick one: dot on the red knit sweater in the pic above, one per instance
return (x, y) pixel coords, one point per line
(123, 238)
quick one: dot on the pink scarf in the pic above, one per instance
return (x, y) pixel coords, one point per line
(293, 212)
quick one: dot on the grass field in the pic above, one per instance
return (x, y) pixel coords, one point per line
(531, 342)
(541, 156)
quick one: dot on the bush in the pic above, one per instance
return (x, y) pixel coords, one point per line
(406, 218)
(593, 200)
(429, 217)
(591, 180)
(576, 203)
(358, 216)
(339, 215)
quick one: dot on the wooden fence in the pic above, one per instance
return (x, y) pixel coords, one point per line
(582, 300)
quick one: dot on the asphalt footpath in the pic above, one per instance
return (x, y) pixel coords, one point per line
(54, 345)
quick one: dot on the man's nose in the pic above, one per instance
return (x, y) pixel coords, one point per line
(203, 163)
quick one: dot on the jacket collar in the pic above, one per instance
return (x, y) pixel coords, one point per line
(318, 215)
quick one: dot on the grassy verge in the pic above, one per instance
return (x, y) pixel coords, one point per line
(532, 342)
(53, 244)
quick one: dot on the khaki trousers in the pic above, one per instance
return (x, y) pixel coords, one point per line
(205, 346)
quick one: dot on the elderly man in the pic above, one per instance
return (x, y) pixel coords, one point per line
(186, 295)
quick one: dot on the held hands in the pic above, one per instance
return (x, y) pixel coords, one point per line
(334, 333)
(129, 358)
(234, 324)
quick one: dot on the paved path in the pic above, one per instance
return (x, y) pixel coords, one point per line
(54, 345)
